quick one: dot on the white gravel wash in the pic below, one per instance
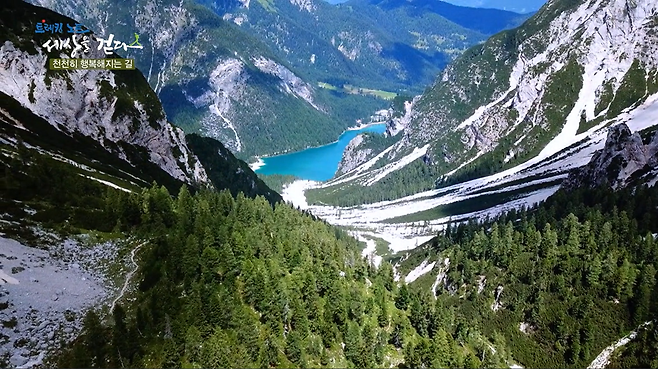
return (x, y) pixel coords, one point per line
(603, 359)
(420, 270)
(294, 193)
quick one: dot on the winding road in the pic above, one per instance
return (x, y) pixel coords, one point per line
(129, 275)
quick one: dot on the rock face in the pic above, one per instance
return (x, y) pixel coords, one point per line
(353, 156)
(289, 81)
(625, 160)
(87, 102)
(226, 82)
(396, 125)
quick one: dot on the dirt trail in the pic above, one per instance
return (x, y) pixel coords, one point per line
(128, 276)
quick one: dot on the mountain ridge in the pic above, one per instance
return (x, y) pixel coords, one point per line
(117, 110)
(484, 20)
(186, 45)
(528, 93)
(511, 5)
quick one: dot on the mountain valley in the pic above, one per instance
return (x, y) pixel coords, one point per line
(225, 77)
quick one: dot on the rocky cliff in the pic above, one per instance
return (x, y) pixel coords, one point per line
(624, 160)
(90, 102)
(111, 120)
(353, 156)
(569, 68)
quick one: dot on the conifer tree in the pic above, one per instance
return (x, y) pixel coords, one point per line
(403, 298)
(95, 339)
(294, 349)
(120, 335)
(642, 303)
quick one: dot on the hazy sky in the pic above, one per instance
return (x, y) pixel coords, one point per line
(519, 6)
(523, 6)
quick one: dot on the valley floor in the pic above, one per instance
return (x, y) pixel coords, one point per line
(408, 222)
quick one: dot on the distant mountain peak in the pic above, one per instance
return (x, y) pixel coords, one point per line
(306, 5)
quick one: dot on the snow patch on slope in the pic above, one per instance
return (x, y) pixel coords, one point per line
(390, 168)
(441, 276)
(370, 251)
(109, 184)
(355, 173)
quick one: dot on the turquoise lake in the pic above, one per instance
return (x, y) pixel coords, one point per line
(316, 163)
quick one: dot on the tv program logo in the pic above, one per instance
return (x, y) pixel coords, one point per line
(78, 44)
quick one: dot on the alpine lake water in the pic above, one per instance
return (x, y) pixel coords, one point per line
(315, 163)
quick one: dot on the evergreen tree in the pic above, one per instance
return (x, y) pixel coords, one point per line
(626, 275)
(295, 350)
(418, 315)
(95, 340)
(185, 210)
(472, 362)
(271, 353)
(171, 355)
(215, 352)
(397, 336)
(193, 345)
(386, 275)
(442, 357)
(594, 271)
(353, 343)
(403, 298)
(642, 303)
(382, 304)
(120, 336)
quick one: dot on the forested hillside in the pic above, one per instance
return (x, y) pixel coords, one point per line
(236, 282)
(230, 276)
(559, 283)
(227, 281)
(230, 281)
